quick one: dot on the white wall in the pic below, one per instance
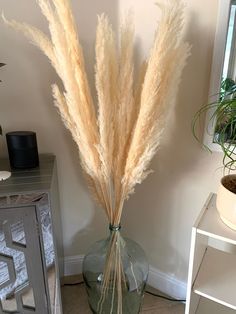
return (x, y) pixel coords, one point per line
(160, 215)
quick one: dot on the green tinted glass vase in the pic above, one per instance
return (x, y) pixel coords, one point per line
(115, 272)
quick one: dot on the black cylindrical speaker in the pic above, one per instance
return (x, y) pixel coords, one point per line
(22, 149)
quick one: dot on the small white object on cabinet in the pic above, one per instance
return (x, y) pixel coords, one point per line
(4, 175)
(212, 272)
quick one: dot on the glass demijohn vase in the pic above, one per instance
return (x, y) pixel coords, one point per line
(123, 263)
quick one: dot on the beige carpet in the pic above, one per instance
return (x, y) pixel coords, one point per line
(74, 301)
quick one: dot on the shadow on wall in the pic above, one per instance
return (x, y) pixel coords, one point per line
(164, 204)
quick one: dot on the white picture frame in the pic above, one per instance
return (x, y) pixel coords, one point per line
(217, 69)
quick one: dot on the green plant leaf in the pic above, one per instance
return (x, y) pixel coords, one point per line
(224, 116)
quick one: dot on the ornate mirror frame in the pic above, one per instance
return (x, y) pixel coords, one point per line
(217, 68)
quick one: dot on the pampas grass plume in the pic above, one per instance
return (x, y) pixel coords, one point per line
(118, 138)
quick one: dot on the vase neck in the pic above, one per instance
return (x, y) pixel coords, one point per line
(114, 228)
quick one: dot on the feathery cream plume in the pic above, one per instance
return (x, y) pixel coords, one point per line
(106, 78)
(165, 64)
(126, 106)
(117, 144)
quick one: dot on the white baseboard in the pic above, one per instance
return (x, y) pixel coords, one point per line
(165, 283)
(73, 265)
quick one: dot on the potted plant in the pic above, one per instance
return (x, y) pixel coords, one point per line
(224, 118)
(3, 174)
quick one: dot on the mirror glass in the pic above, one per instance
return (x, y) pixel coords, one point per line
(229, 60)
(225, 127)
(19, 284)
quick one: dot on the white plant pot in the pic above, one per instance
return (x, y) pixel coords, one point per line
(226, 200)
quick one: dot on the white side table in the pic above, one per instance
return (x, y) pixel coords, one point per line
(212, 272)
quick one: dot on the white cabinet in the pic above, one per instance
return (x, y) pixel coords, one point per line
(212, 272)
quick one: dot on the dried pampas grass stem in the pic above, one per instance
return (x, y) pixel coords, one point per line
(117, 144)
